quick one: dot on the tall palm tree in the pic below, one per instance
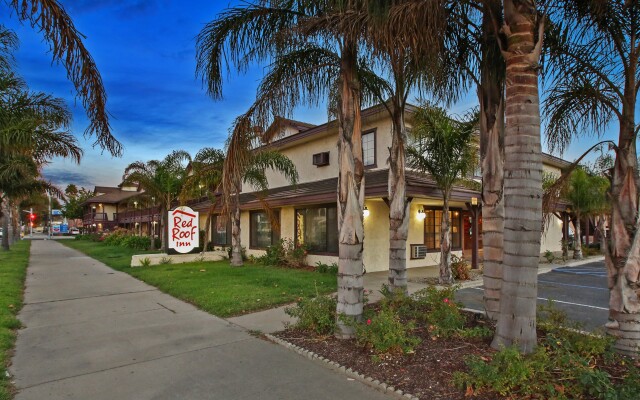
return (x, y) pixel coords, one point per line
(162, 179)
(67, 48)
(596, 82)
(265, 29)
(31, 133)
(445, 150)
(521, 46)
(204, 172)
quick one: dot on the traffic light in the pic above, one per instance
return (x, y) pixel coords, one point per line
(32, 218)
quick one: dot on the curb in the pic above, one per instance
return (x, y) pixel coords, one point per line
(367, 380)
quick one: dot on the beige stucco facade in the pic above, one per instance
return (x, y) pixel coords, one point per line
(300, 146)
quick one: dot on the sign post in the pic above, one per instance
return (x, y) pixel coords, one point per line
(184, 229)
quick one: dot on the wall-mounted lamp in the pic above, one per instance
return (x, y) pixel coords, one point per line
(365, 212)
(474, 201)
(135, 204)
(421, 214)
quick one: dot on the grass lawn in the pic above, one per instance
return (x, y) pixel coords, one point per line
(215, 286)
(13, 267)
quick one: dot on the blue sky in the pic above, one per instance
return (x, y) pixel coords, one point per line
(145, 51)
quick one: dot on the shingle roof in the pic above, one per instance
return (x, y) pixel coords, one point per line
(112, 197)
(325, 190)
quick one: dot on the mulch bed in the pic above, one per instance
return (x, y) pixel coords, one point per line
(426, 374)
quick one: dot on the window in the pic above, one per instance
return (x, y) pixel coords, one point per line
(369, 149)
(433, 225)
(221, 230)
(317, 228)
(262, 234)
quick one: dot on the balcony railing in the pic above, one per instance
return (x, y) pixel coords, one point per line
(142, 215)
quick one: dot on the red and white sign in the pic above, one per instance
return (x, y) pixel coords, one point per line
(184, 229)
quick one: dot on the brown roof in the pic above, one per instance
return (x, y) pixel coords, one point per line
(112, 197)
(324, 191)
(105, 189)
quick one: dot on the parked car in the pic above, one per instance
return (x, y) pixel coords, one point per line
(74, 231)
(0, 232)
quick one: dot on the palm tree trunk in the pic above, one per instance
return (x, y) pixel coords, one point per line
(398, 205)
(350, 193)
(623, 255)
(164, 234)
(236, 244)
(207, 228)
(491, 99)
(446, 277)
(577, 239)
(523, 179)
(16, 223)
(4, 220)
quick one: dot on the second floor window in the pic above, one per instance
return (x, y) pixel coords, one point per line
(369, 149)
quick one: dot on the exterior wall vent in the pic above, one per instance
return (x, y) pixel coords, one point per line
(418, 251)
(321, 159)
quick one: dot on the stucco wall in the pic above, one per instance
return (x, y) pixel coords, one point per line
(552, 236)
(302, 155)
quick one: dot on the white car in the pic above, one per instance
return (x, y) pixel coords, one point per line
(74, 231)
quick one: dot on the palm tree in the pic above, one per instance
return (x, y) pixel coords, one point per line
(580, 196)
(445, 150)
(205, 171)
(253, 172)
(521, 46)
(264, 30)
(67, 48)
(594, 43)
(30, 135)
(162, 179)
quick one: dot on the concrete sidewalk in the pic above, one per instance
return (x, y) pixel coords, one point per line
(95, 333)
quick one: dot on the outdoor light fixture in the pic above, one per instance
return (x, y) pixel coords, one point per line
(365, 211)
(474, 201)
(421, 214)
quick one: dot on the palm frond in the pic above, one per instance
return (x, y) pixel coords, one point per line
(66, 46)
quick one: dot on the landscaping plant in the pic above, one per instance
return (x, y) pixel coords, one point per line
(315, 314)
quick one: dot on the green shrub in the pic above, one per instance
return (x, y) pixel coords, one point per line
(317, 314)
(460, 268)
(562, 352)
(385, 332)
(166, 260)
(549, 256)
(285, 253)
(94, 237)
(327, 268)
(508, 372)
(136, 242)
(145, 262)
(444, 315)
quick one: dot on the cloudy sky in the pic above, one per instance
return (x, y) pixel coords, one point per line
(145, 51)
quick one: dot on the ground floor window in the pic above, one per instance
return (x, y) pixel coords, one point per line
(263, 231)
(433, 226)
(221, 230)
(317, 229)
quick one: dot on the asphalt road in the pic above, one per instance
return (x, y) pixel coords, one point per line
(579, 291)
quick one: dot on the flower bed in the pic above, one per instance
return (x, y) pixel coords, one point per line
(427, 347)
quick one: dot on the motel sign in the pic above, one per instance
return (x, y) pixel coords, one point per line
(184, 229)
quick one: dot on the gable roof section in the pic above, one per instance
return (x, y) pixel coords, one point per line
(112, 197)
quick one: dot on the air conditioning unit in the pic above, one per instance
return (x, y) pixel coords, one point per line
(418, 251)
(321, 159)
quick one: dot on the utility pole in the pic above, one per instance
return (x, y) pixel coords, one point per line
(50, 224)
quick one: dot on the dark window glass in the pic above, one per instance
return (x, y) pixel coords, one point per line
(433, 227)
(221, 230)
(262, 233)
(317, 229)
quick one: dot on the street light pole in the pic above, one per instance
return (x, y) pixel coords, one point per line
(50, 224)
